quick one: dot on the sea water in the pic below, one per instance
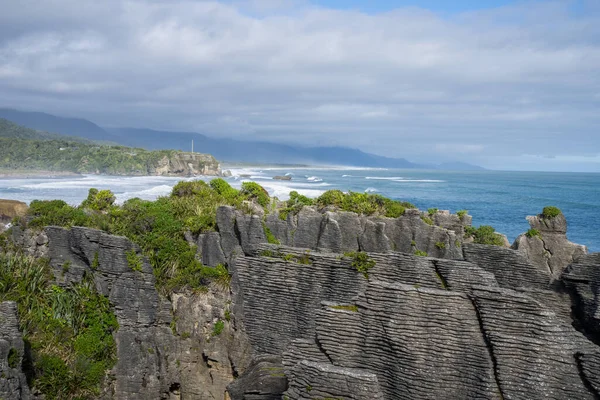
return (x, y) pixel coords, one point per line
(498, 198)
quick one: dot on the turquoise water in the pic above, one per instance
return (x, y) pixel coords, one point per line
(497, 198)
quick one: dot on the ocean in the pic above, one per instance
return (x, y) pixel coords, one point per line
(499, 198)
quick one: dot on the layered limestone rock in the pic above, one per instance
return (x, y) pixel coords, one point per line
(338, 232)
(13, 384)
(165, 349)
(417, 327)
(301, 321)
(187, 164)
(582, 280)
(550, 250)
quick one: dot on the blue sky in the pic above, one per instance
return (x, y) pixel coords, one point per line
(503, 84)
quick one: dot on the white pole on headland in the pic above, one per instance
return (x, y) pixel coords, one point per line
(192, 145)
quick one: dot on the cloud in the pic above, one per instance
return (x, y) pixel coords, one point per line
(497, 83)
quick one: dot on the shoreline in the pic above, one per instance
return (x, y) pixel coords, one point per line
(37, 174)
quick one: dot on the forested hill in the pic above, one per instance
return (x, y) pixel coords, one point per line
(28, 149)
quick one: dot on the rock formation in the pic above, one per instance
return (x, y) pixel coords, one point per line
(187, 164)
(10, 209)
(304, 319)
(549, 249)
(13, 384)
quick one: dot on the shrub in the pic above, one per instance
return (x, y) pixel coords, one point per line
(532, 233)
(361, 262)
(432, 211)
(551, 212)
(485, 234)
(461, 213)
(55, 212)
(223, 188)
(256, 192)
(99, 200)
(420, 253)
(363, 203)
(440, 245)
(294, 204)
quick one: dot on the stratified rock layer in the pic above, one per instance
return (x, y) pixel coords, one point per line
(13, 384)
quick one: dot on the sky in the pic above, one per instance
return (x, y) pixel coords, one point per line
(503, 84)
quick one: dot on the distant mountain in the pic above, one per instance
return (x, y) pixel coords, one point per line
(250, 151)
(10, 130)
(223, 149)
(459, 166)
(51, 123)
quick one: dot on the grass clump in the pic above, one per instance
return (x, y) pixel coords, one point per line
(294, 205)
(134, 261)
(432, 211)
(361, 262)
(363, 203)
(420, 253)
(427, 220)
(69, 330)
(551, 212)
(485, 234)
(256, 192)
(461, 213)
(13, 358)
(218, 328)
(533, 233)
(269, 235)
(440, 245)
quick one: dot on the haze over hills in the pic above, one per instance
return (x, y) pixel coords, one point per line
(223, 149)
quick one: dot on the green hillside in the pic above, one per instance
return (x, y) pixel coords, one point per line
(28, 149)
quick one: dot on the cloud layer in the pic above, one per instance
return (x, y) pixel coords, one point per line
(510, 87)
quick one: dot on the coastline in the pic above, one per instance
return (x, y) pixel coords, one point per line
(36, 174)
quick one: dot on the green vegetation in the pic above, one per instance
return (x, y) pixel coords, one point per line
(218, 328)
(427, 220)
(461, 213)
(420, 253)
(99, 200)
(485, 234)
(13, 358)
(134, 261)
(440, 245)
(294, 205)
(363, 203)
(551, 212)
(361, 262)
(157, 227)
(432, 211)
(256, 192)
(69, 330)
(532, 233)
(352, 308)
(270, 237)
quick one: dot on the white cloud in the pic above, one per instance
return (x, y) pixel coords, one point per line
(498, 82)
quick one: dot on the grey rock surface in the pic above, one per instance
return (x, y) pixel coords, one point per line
(551, 251)
(13, 384)
(582, 280)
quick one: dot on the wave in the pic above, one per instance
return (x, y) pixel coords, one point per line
(371, 190)
(385, 178)
(420, 180)
(145, 194)
(314, 179)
